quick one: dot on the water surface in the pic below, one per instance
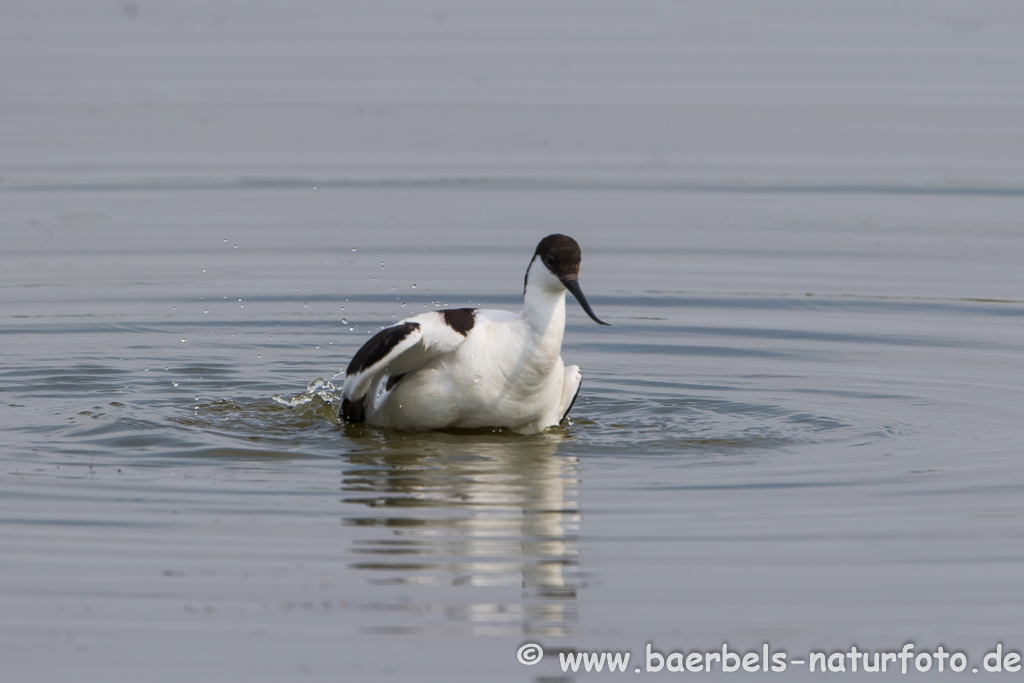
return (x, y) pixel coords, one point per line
(803, 427)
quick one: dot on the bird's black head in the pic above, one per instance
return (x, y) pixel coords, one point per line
(560, 254)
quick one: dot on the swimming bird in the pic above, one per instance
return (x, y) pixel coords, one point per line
(475, 368)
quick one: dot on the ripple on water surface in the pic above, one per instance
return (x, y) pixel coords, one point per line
(650, 388)
(200, 448)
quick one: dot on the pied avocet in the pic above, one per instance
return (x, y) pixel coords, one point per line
(474, 368)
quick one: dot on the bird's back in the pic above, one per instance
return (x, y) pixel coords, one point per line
(497, 377)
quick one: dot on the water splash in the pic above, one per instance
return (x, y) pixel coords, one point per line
(320, 388)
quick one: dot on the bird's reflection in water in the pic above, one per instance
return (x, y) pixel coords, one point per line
(480, 528)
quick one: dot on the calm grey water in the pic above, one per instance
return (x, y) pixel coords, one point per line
(805, 223)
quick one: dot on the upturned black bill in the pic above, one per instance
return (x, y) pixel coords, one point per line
(573, 285)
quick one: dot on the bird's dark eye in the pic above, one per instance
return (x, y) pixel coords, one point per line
(549, 261)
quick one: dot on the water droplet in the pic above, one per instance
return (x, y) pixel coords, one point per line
(404, 304)
(414, 285)
(236, 246)
(382, 265)
(305, 304)
(344, 321)
(353, 249)
(317, 346)
(225, 239)
(174, 383)
(259, 355)
(182, 340)
(145, 369)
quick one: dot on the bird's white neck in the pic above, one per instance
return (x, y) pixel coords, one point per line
(544, 305)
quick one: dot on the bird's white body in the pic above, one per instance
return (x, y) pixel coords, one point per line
(470, 368)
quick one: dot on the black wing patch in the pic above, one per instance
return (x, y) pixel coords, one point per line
(353, 412)
(459, 319)
(379, 346)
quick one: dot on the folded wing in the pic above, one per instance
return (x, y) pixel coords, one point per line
(393, 352)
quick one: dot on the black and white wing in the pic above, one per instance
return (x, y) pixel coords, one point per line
(398, 350)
